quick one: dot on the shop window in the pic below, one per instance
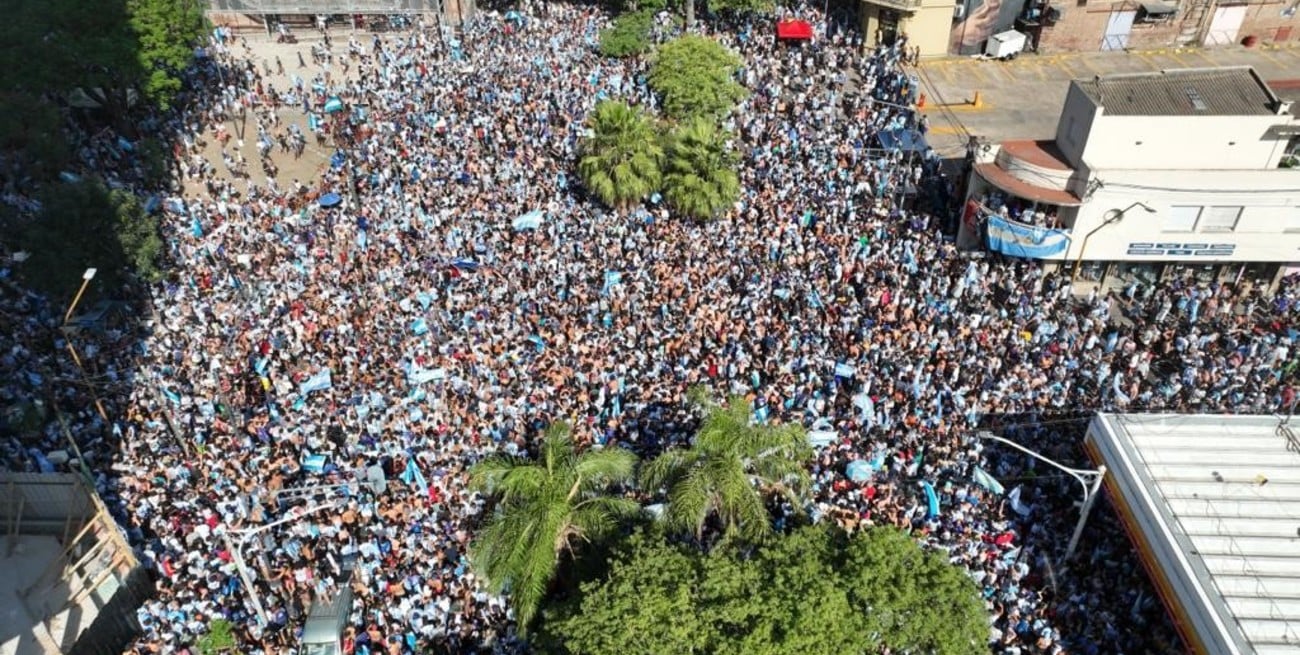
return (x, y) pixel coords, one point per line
(1220, 219)
(1180, 218)
(1092, 271)
(1126, 272)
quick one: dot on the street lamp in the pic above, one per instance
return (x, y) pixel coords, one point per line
(1111, 217)
(67, 335)
(244, 535)
(1088, 479)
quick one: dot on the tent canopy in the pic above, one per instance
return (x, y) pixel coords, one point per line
(794, 30)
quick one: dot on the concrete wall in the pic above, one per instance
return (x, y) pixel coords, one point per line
(929, 27)
(1077, 117)
(926, 26)
(1267, 231)
(1183, 142)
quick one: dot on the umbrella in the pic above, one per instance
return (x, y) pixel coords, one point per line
(530, 221)
(333, 105)
(859, 471)
(331, 200)
(467, 264)
(514, 16)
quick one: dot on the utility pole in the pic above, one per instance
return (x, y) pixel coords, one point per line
(1090, 480)
(236, 554)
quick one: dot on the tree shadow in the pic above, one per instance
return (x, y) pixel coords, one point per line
(86, 142)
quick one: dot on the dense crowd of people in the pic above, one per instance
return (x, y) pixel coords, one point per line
(320, 372)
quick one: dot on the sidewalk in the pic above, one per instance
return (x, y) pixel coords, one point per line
(1022, 98)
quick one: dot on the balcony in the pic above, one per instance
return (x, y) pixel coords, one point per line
(1033, 170)
(900, 5)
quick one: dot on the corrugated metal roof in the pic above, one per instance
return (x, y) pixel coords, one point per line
(1218, 501)
(1230, 91)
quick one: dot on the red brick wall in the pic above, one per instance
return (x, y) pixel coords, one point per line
(1079, 29)
(1264, 20)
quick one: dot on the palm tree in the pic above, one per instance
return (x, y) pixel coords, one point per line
(729, 470)
(544, 509)
(700, 172)
(621, 154)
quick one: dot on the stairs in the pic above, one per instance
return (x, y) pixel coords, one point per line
(1195, 19)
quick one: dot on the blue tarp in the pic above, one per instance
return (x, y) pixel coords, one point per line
(1020, 240)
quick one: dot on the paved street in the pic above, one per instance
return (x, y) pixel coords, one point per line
(1022, 98)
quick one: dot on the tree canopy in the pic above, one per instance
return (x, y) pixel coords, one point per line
(628, 36)
(700, 177)
(621, 156)
(545, 508)
(84, 224)
(813, 591)
(728, 471)
(696, 76)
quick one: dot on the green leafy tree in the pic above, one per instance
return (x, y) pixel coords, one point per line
(730, 468)
(742, 6)
(621, 155)
(545, 509)
(219, 639)
(628, 36)
(168, 31)
(814, 591)
(700, 171)
(84, 224)
(696, 76)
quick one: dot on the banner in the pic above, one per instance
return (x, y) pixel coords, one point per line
(1020, 240)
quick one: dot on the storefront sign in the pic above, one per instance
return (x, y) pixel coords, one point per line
(1182, 249)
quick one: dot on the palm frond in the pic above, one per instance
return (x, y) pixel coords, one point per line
(600, 468)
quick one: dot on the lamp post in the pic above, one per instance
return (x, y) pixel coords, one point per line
(236, 554)
(1109, 219)
(86, 277)
(1090, 480)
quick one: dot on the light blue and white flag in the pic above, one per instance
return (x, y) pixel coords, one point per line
(983, 479)
(319, 382)
(1022, 240)
(530, 221)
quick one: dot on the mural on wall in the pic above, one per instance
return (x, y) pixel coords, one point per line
(980, 20)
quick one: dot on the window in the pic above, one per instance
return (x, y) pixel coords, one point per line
(1220, 219)
(1181, 219)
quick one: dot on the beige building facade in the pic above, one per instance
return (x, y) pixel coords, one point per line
(1150, 175)
(925, 22)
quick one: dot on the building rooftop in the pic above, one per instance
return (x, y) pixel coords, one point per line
(1214, 504)
(1228, 91)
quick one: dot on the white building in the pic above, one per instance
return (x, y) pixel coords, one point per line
(1150, 175)
(1212, 504)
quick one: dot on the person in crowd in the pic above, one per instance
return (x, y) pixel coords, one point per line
(318, 376)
